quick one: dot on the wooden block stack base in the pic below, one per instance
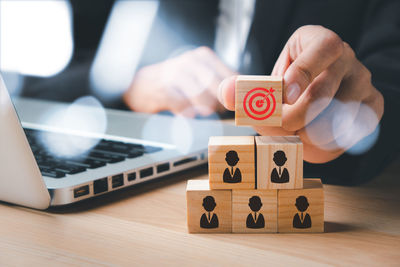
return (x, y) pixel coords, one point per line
(255, 211)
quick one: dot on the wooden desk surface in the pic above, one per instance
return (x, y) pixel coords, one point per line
(147, 225)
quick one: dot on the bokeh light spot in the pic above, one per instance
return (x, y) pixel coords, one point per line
(79, 127)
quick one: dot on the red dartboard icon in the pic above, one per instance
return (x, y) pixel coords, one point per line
(259, 103)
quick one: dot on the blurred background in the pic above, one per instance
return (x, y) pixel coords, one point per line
(169, 56)
(64, 49)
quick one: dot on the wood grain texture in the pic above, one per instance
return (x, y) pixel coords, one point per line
(219, 219)
(244, 219)
(146, 225)
(218, 148)
(244, 84)
(267, 169)
(290, 215)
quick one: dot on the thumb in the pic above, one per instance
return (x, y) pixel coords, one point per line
(226, 93)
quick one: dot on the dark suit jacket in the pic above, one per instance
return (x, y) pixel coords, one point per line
(372, 28)
(227, 177)
(297, 223)
(213, 223)
(259, 223)
(284, 178)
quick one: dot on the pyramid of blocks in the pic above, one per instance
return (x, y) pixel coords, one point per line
(255, 183)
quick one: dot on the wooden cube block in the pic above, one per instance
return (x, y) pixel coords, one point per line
(301, 210)
(208, 211)
(254, 211)
(231, 162)
(258, 100)
(279, 162)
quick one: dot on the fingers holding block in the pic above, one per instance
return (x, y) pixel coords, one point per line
(279, 162)
(231, 162)
(254, 211)
(208, 211)
(301, 210)
(258, 100)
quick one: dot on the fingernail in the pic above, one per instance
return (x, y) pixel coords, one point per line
(220, 98)
(292, 93)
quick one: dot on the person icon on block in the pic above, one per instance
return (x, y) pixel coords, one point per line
(256, 220)
(302, 219)
(278, 175)
(209, 219)
(231, 175)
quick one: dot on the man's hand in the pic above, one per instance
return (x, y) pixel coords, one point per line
(185, 85)
(329, 100)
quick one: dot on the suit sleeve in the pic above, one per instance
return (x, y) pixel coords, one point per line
(378, 48)
(379, 51)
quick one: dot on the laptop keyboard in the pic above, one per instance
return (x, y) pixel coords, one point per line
(105, 152)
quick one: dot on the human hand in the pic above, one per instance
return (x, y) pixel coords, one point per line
(186, 85)
(329, 100)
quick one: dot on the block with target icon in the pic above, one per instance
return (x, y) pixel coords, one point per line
(258, 100)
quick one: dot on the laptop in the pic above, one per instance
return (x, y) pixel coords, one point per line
(134, 148)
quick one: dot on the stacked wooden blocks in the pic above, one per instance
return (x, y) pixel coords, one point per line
(256, 184)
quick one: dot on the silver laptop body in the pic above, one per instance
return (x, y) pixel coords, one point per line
(22, 182)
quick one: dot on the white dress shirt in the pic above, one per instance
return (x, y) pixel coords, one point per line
(233, 27)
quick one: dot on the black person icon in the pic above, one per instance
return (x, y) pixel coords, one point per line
(302, 220)
(279, 176)
(256, 220)
(231, 176)
(209, 219)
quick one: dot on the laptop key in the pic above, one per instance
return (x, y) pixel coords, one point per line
(152, 149)
(57, 165)
(110, 152)
(122, 150)
(95, 163)
(53, 174)
(106, 157)
(78, 164)
(77, 170)
(88, 163)
(134, 154)
(70, 169)
(106, 160)
(109, 142)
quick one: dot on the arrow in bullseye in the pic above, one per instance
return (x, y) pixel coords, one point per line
(259, 103)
